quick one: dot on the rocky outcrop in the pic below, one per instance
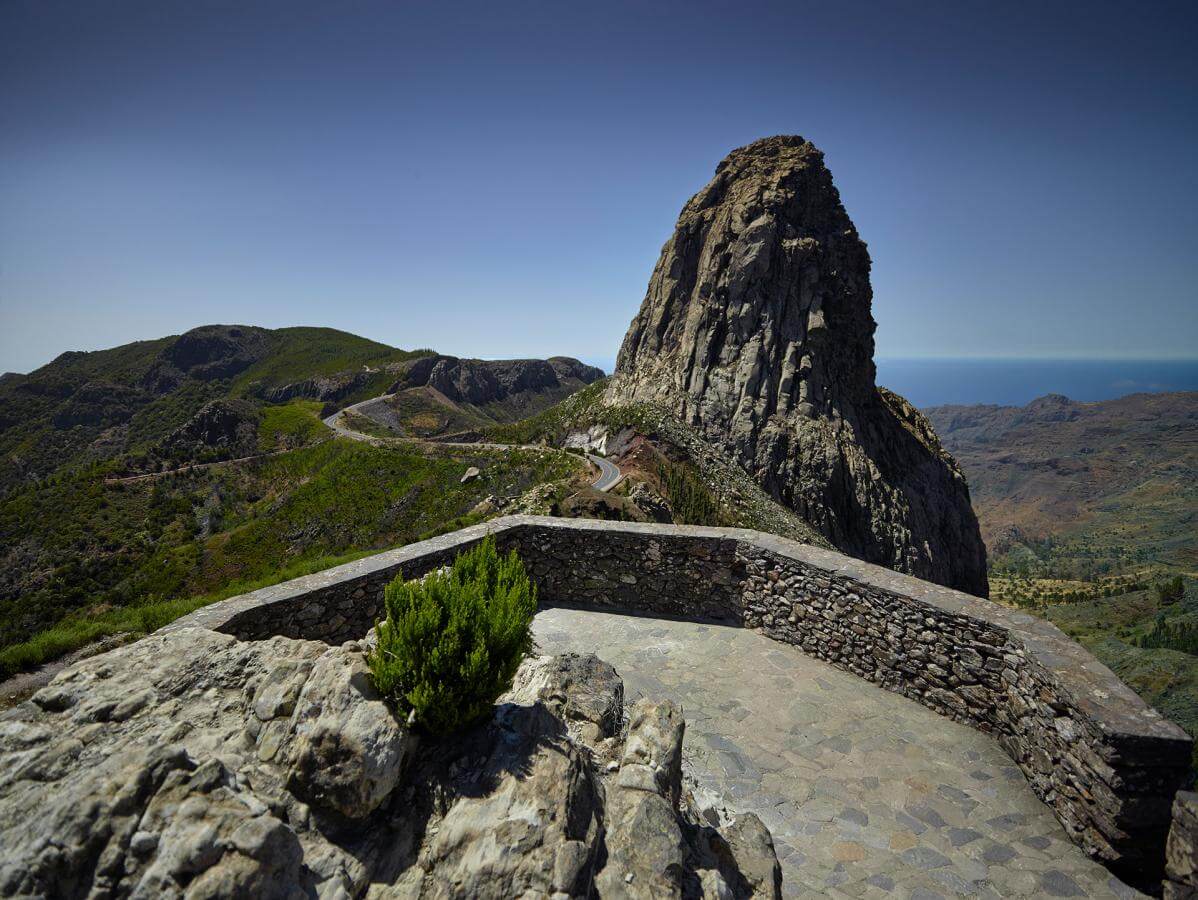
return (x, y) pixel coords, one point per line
(207, 353)
(191, 764)
(479, 381)
(756, 330)
(327, 388)
(1181, 852)
(226, 425)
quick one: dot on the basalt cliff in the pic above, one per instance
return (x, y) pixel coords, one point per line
(757, 331)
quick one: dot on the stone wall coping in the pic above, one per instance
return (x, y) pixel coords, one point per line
(1094, 688)
(1116, 708)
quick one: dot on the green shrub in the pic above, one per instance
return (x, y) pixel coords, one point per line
(452, 641)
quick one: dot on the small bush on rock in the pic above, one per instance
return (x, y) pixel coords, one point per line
(452, 641)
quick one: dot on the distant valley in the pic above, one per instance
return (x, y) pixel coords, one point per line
(1081, 490)
(1087, 509)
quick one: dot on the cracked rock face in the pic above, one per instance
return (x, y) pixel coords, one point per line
(756, 329)
(191, 764)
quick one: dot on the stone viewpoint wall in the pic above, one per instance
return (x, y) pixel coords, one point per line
(1107, 764)
(1181, 854)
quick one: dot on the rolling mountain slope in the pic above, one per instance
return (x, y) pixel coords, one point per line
(1087, 509)
(108, 524)
(86, 408)
(1076, 490)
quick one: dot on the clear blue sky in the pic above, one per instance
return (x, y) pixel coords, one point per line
(498, 179)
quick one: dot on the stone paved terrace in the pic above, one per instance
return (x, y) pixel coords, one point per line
(868, 794)
(1105, 763)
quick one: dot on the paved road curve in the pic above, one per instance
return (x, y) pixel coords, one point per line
(608, 477)
(609, 474)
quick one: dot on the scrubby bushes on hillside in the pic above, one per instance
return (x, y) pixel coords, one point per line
(691, 500)
(452, 641)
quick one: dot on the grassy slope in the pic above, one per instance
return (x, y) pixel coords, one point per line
(81, 558)
(304, 352)
(132, 556)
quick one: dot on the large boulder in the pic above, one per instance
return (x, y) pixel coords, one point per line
(192, 763)
(756, 329)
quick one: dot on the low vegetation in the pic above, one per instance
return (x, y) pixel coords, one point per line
(735, 499)
(452, 641)
(87, 558)
(692, 502)
(290, 425)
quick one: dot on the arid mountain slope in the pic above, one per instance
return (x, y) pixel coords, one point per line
(757, 331)
(1120, 475)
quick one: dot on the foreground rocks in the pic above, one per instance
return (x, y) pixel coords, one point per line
(193, 764)
(756, 330)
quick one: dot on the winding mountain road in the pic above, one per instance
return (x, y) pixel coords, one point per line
(608, 476)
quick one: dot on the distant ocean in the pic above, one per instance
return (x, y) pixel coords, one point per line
(1016, 382)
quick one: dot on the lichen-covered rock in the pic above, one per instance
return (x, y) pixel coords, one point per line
(184, 764)
(345, 747)
(192, 764)
(756, 330)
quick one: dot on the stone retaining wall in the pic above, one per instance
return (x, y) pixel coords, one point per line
(1181, 856)
(1107, 764)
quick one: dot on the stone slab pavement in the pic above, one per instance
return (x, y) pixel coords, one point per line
(867, 793)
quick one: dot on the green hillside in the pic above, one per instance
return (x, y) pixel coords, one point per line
(139, 482)
(303, 352)
(85, 557)
(85, 408)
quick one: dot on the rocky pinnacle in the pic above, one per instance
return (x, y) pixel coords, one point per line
(756, 329)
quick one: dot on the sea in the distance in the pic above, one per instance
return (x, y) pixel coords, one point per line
(1016, 382)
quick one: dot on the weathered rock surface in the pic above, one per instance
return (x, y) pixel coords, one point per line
(230, 425)
(1181, 852)
(756, 329)
(207, 353)
(191, 764)
(328, 388)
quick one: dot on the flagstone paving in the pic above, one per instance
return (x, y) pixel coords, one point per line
(867, 793)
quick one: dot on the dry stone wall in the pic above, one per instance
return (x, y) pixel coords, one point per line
(1181, 856)
(1107, 764)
